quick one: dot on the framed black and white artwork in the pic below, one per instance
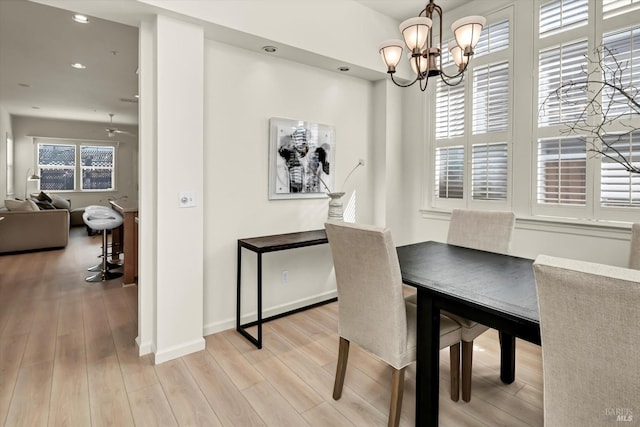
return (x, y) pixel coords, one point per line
(301, 159)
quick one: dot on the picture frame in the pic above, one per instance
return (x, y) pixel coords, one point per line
(301, 159)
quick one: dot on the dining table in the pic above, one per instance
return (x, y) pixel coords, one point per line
(496, 290)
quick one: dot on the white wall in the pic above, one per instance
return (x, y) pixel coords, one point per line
(25, 128)
(243, 90)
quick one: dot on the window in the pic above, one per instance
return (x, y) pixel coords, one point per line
(489, 171)
(618, 187)
(57, 166)
(450, 111)
(562, 166)
(507, 138)
(611, 8)
(562, 15)
(449, 173)
(97, 167)
(580, 117)
(472, 132)
(625, 48)
(75, 165)
(494, 38)
(491, 98)
(558, 66)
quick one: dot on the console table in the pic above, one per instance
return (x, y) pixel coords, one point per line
(264, 244)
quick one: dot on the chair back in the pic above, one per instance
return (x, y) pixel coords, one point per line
(589, 317)
(483, 230)
(371, 304)
(634, 253)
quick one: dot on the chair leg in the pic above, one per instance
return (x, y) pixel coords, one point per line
(341, 368)
(397, 389)
(454, 363)
(467, 364)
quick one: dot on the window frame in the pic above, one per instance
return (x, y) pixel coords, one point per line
(597, 26)
(78, 167)
(468, 138)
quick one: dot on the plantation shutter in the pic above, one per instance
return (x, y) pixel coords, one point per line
(491, 98)
(562, 164)
(619, 187)
(561, 15)
(557, 66)
(614, 7)
(449, 179)
(493, 38)
(449, 110)
(625, 46)
(489, 171)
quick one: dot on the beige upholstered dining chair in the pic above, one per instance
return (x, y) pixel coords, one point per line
(634, 253)
(589, 317)
(373, 310)
(487, 231)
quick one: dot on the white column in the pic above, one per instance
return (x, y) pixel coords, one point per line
(179, 78)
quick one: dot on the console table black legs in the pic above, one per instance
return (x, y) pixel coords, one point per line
(240, 327)
(264, 244)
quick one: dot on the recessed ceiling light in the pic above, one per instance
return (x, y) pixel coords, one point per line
(82, 19)
(343, 69)
(269, 49)
(78, 66)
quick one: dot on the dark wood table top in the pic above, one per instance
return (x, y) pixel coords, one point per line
(279, 242)
(501, 284)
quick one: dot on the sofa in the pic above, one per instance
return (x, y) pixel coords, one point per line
(29, 230)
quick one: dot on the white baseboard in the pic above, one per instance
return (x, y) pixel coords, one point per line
(143, 348)
(178, 351)
(223, 325)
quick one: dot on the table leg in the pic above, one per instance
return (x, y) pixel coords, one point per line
(259, 300)
(507, 357)
(258, 323)
(427, 361)
(238, 283)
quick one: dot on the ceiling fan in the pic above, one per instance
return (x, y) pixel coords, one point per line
(112, 131)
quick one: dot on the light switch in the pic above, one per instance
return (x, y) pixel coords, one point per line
(187, 199)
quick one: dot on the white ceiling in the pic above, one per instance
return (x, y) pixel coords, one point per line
(404, 9)
(37, 45)
(39, 42)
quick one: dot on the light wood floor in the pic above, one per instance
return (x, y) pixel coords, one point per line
(68, 357)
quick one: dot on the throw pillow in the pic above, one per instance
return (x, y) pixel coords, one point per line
(59, 202)
(21, 205)
(43, 197)
(44, 205)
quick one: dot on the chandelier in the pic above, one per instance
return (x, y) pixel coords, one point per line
(425, 54)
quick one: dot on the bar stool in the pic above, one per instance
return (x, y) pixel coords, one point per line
(103, 219)
(110, 265)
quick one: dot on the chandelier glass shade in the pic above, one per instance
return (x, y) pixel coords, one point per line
(425, 49)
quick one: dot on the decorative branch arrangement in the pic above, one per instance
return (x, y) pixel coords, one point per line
(608, 98)
(360, 163)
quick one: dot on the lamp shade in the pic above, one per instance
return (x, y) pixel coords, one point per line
(418, 63)
(415, 32)
(467, 32)
(391, 53)
(458, 55)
